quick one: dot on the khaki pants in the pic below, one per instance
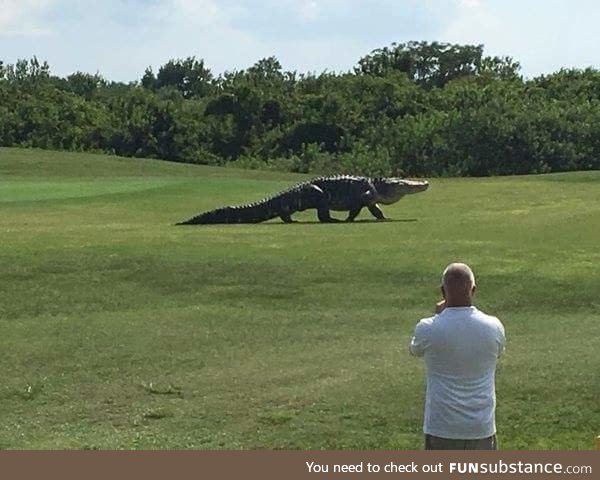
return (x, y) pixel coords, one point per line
(438, 443)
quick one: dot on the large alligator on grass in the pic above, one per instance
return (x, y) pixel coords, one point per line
(341, 193)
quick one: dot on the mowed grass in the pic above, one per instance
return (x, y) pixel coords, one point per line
(122, 331)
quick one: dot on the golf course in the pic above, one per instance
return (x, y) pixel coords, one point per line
(123, 331)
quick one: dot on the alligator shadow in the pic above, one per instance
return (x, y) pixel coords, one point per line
(306, 222)
(342, 222)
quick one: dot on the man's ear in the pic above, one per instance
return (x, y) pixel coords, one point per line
(443, 292)
(473, 290)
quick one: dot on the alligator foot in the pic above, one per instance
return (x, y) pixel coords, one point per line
(325, 217)
(286, 217)
(353, 214)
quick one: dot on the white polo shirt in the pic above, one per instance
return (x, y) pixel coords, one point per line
(461, 346)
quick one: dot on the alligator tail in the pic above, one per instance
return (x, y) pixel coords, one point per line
(251, 213)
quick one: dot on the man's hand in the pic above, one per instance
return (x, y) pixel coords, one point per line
(439, 307)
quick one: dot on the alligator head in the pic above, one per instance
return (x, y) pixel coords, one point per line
(392, 189)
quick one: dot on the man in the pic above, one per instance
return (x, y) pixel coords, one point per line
(461, 346)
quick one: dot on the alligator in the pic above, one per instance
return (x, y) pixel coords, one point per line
(340, 193)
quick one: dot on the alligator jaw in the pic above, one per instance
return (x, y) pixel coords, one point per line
(393, 189)
(416, 186)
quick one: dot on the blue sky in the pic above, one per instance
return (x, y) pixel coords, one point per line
(120, 38)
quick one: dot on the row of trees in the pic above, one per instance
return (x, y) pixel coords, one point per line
(414, 109)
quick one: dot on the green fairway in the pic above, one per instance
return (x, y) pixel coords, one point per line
(120, 330)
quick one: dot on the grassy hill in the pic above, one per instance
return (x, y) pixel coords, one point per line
(120, 330)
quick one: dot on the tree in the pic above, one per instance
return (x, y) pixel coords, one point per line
(189, 76)
(84, 84)
(149, 79)
(28, 73)
(434, 64)
(415, 109)
(266, 70)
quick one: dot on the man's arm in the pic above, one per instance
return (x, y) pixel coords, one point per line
(440, 306)
(420, 340)
(501, 339)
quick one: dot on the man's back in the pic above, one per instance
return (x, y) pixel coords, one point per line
(461, 346)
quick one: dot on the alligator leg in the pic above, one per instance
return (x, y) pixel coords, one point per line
(353, 214)
(321, 203)
(325, 216)
(376, 211)
(286, 217)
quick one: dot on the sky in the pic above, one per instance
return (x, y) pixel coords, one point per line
(120, 38)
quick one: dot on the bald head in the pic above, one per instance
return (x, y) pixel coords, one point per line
(458, 283)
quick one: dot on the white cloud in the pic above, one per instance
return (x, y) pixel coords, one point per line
(198, 12)
(21, 17)
(470, 3)
(307, 9)
(120, 38)
(542, 36)
(472, 25)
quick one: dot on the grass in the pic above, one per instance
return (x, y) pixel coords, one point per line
(121, 331)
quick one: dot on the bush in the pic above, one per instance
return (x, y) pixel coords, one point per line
(414, 109)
